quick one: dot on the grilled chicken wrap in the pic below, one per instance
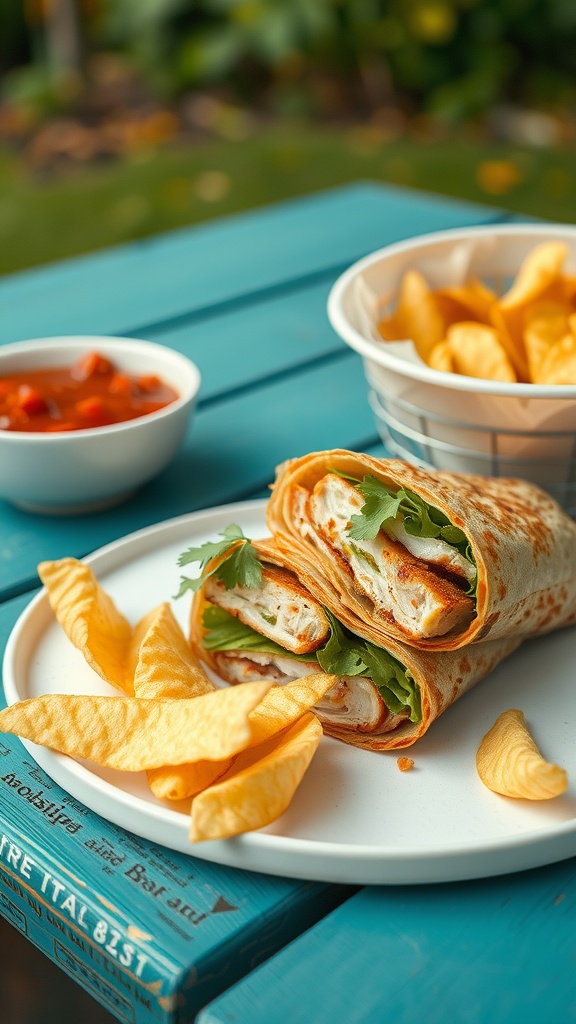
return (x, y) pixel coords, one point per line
(385, 697)
(432, 559)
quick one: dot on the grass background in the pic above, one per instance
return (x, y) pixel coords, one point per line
(87, 207)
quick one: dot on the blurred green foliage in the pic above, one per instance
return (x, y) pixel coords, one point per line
(454, 58)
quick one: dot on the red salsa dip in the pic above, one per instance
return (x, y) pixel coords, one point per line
(90, 393)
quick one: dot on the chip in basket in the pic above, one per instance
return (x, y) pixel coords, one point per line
(526, 335)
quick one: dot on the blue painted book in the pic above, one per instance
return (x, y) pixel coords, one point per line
(152, 934)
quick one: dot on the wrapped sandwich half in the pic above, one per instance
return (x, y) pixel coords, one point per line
(432, 559)
(252, 618)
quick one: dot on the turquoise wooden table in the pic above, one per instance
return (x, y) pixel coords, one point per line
(245, 298)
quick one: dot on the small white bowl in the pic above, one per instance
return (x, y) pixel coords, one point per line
(445, 420)
(91, 469)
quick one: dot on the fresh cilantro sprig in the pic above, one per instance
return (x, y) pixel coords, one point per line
(419, 518)
(239, 568)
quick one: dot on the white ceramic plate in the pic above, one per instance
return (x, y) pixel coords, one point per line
(355, 818)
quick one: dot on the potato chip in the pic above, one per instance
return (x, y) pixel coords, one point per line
(179, 782)
(470, 301)
(90, 619)
(509, 762)
(569, 288)
(477, 352)
(558, 365)
(440, 357)
(540, 268)
(280, 708)
(509, 326)
(165, 665)
(546, 323)
(283, 705)
(260, 785)
(416, 316)
(134, 734)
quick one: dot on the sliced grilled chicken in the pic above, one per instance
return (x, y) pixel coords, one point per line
(353, 703)
(280, 609)
(400, 586)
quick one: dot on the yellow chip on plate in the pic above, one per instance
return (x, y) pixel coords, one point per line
(278, 709)
(259, 786)
(90, 619)
(477, 352)
(163, 660)
(509, 762)
(181, 781)
(135, 734)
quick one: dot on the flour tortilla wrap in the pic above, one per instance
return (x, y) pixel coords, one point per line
(523, 546)
(354, 709)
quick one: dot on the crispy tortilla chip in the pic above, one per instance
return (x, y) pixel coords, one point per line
(284, 705)
(509, 325)
(440, 357)
(165, 665)
(416, 316)
(281, 707)
(546, 323)
(470, 301)
(90, 619)
(538, 271)
(133, 734)
(179, 782)
(477, 352)
(558, 365)
(260, 785)
(509, 762)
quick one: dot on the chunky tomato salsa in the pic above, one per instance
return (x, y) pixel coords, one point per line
(90, 393)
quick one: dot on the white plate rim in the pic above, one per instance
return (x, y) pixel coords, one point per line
(314, 860)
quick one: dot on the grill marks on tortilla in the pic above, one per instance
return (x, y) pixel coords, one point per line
(423, 598)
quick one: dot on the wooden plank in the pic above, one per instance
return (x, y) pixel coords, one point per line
(244, 346)
(128, 288)
(486, 952)
(230, 453)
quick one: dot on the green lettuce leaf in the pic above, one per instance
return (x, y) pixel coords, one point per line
(343, 654)
(227, 633)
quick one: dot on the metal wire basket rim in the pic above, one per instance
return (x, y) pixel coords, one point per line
(373, 351)
(564, 493)
(377, 406)
(491, 453)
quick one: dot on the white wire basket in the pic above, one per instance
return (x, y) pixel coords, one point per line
(445, 420)
(488, 452)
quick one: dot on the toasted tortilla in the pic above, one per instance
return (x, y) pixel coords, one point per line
(353, 710)
(523, 544)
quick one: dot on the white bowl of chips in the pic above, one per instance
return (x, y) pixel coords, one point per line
(468, 339)
(67, 451)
